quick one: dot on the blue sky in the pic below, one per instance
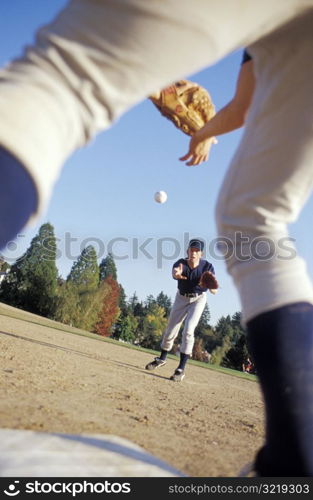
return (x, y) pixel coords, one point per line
(105, 194)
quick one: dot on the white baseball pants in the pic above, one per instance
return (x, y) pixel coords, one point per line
(188, 309)
(271, 175)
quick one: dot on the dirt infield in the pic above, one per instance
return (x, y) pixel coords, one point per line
(207, 426)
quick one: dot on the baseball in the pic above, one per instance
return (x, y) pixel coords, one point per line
(160, 196)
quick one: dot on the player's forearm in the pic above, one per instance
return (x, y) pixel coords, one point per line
(233, 115)
(227, 119)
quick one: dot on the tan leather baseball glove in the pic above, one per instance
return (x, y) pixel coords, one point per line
(188, 105)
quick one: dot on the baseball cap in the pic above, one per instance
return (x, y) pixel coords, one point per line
(196, 243)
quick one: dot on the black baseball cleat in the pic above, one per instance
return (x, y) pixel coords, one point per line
(178, 375)
(156, 363)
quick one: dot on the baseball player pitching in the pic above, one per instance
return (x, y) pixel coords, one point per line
(195, 276)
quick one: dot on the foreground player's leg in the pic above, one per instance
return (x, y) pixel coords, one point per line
(269, 180)
(18, 197)
(281, 342)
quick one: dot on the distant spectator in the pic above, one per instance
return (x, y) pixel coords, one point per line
(206, 356)
(247, 366)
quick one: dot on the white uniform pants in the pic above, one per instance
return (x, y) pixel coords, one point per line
(188, 309)
(101, 57)
(271, 175)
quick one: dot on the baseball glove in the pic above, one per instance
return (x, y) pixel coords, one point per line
(186, 104)
(209, 281)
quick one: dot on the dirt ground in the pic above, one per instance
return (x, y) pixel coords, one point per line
(209, 425)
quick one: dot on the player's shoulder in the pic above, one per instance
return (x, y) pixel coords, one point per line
(207, 266)
(180, 261)
(205, 262)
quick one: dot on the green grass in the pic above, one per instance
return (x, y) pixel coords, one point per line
(21, 315)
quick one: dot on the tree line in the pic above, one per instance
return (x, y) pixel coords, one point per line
(91, 298)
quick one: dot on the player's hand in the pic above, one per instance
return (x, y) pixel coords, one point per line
(199, 150)
(178, 273)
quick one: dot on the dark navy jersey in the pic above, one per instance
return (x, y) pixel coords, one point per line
(191, 284)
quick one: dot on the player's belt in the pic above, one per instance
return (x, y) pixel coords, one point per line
(191, 294)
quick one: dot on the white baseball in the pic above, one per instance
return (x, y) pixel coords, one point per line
(160, 196)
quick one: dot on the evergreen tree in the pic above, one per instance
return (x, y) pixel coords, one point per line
(224, 337)
(238, 330)
(236, 319)
(136, 307)
(149, 302)
(122, 301)
(125, 329)
(224, 329)
(11, 286)
(238, 352)
(236, 355)
(108, 268)
(80, 298)
(133, 301)
(210, 339)
(139, 310)
(231, 350)
(205, 337)
(219, 352)
(205, 317)
(85, 271)
(164, 301)
(32, 281)
(204, 323)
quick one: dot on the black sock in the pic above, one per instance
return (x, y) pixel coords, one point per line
(163, 355)
(183, 360)
(281, 343)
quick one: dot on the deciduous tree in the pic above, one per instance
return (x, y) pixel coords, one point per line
(110, 310)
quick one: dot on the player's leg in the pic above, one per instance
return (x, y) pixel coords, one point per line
(176, 317)
(268, 182)
(281, 342)
(16, 190)
(194, 313)
(195, 310)
(98, 59)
